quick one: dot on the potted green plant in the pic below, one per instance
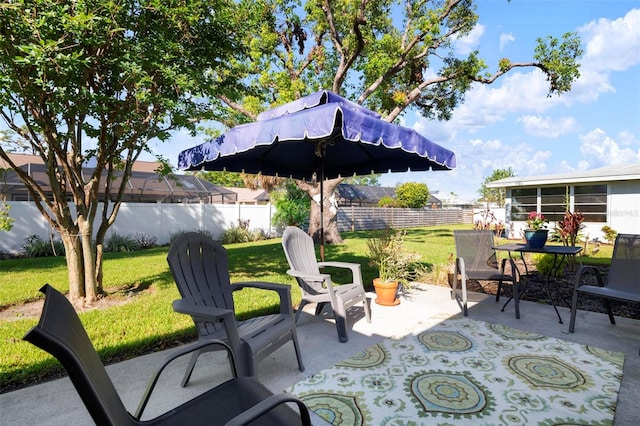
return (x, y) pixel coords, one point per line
(536, 232)
(397, 268)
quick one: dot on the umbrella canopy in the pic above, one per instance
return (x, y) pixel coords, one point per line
(323, 133)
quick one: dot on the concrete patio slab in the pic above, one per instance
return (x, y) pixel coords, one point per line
(57, 403)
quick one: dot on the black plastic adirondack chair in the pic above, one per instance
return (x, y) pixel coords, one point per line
(476, 260)
(622, 284)
(317, 287)
(240, 400)
(200, 269)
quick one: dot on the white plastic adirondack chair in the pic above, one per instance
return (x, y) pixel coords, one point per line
(317, 287)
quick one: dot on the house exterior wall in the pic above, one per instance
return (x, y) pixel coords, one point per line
(624, 207)
(623, 211)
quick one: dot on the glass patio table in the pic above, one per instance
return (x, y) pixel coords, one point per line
(559, 254)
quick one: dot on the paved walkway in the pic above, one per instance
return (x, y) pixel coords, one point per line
(57, 403)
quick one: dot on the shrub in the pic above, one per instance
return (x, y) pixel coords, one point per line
(145, 241)
(35, 246)
(262, 234)
(237, 234)
(412, 195)
(609, 234)
(544, 262)
(119, 243)
(387, 201)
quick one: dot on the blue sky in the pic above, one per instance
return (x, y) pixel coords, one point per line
(512, 123)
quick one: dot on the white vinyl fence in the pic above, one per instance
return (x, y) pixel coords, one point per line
(158, 220)
(163, 220)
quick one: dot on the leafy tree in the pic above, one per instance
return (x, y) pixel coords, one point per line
(495, 195)
(412, 195)
(268, 183)
(386, 55)
(228, 179)
(367, 180)
(292, 205)
(94, 81)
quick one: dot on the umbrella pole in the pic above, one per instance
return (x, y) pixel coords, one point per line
(321, 214)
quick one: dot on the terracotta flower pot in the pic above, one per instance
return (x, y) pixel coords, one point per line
(386, 292)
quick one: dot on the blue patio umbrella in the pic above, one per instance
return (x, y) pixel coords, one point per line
(322, 134)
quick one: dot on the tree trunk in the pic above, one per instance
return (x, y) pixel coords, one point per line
(75, 269)
(89, 260)
(99, 264)
(331, 233)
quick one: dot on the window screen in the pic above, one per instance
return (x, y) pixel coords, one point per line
(523, 201)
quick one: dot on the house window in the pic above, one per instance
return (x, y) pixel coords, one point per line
(554, 202)
(523, 201)
(591, 200)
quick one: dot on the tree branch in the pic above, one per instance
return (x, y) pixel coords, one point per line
(237, 107)
(346, 63)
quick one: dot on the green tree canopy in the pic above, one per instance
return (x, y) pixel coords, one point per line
(495, 195)
(94, 81)
(412, 195)
(387, 55)
(227, 179)
(292, 205)
(366, 180)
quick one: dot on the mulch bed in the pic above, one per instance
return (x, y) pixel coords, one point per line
(536, 291)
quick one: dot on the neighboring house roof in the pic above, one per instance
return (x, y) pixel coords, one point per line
(246, 195)
(141, 187)
(369, 195)
(361, 194)
(604, 174)
(24, 159)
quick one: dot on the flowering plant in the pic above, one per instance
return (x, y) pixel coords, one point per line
(536, 221)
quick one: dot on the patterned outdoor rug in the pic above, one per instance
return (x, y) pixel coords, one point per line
(463, 371)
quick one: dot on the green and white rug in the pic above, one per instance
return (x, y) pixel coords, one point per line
(463, 371)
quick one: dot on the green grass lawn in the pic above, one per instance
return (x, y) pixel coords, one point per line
(144, 320)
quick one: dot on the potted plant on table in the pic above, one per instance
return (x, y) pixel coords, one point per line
(536, 232)
(397, 268)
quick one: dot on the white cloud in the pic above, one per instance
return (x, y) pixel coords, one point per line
(601, 150)
(517, 92)
(468, 43)
(627, 138)
(612, 45)
(609, 46)
(589, 86)
(506, 39)
(438, 131)
(548, 127)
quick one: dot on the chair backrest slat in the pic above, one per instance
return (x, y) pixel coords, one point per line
(301, 256)
(476, 248)
(625, 263)
(200, 269)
